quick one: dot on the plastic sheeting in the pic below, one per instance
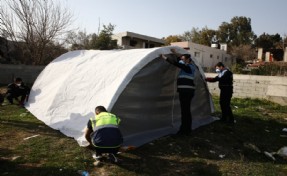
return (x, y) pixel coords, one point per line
(136, 85)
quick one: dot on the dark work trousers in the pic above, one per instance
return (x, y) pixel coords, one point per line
(100, 151)
(1, 99)
(225, 98)
(186, 117)
(107, 137)
(11, 96)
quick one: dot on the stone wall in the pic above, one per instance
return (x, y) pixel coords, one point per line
(28, 73)
(273, 88)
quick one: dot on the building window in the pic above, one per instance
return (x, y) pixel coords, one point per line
(133, 43)
(225, 59)
(151, 46)
(211, 55)
(197, 54)
(217, 57)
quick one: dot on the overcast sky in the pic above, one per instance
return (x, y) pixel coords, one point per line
(160, 18)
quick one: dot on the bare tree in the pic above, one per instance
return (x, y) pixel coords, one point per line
(243, 53)
(33, 24)
(80, 40)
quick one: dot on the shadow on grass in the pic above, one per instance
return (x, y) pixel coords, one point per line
(40, 160)
(31, 127)
(209, 147)
(156, 165)
(13, 168)
(214, 149)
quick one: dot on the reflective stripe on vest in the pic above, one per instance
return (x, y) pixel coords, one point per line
(185, 87)
(185, 80)
(186, 76)
(107, 146)
(104, 119)
(104, 126)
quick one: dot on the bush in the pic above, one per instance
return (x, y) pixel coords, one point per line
(237, 68)
(270, 70)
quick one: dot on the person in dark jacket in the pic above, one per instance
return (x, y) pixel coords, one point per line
(103, 133)
(225, 79)
(185, 87)
(17, 89)
(1, 98)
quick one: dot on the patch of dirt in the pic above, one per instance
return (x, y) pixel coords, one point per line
(3, 90)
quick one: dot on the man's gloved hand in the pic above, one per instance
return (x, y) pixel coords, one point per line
(208, 79)
(163, 56)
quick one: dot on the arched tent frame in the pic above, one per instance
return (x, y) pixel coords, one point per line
(135, 85)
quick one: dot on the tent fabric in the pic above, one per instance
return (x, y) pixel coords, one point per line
(136, 85)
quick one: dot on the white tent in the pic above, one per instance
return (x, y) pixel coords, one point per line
(136, 85)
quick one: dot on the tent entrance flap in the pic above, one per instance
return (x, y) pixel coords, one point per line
(147, 103)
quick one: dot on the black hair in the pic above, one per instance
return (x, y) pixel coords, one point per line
(186, 56)
(18, 80)
(219, 64)
(100, 109)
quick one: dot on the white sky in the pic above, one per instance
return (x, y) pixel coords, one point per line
(161, 18)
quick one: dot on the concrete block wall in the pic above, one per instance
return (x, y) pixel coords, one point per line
(273, 88)
(28, 73)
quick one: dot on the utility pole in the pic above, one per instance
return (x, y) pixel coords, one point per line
(284, 52)
(99, 27)
(284, 36)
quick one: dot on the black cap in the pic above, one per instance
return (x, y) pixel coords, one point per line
(18, 80)
(219, 64)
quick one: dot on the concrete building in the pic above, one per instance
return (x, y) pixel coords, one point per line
(268, 57)
(285, 55)
(260, 54)
(207, 56)
(130, 40)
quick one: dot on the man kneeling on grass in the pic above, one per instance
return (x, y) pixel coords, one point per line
(103, 134)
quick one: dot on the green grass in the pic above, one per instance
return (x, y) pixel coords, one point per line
(259, 123)
(50, 153)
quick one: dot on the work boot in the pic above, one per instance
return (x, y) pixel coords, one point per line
(97, 157)
(21, 104)
(97, 163)
(113, 158)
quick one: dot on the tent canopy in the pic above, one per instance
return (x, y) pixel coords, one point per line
(136, 85)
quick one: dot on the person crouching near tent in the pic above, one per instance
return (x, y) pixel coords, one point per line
(225, 79)
(103, 134)
(17, 89)
(185, 87)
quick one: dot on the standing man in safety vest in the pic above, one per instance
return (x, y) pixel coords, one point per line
(103, 133)
(185, 87)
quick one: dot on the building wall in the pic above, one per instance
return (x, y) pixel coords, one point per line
(28, 73)
(130, 40)
(126, 41)
(205, 55)
(273, 88)
(208, 56)
(260, 54)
